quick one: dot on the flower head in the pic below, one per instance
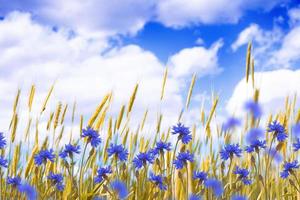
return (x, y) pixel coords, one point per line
(119, 151)
(231, 123)
(29, 191)
(184, 133)
(120, 188)
(182, 158)
(57, 180)
(296, 145)
(3, 162)
(242, 175)
(92, 135)
(275, 154)
(200, 176)
(2, 141)
(254, 108)
(278, 130)
(255, 145)
(194, 197)
(238, 197)
(230, 150)
(158, 181)
(296, 130)
(43, 156)
(142, 159)
(69, 151)
(102, 173)
(288, 168)
(14, 181)
(162, 146)
(254, 134)
(215, 185)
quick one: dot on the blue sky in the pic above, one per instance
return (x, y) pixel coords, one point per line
(90, 48)
(165, 41)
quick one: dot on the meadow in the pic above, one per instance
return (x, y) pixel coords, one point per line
(240, 158)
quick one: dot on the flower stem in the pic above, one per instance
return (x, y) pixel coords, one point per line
(81, 168)
(172, 169)
(187, 181)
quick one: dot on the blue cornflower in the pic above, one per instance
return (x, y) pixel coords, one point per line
(43, 156)
(120, 188)
(162, 146)
(296, 145)
(182, 159)
(215, 185)
(142, 159)
(194, 197)
(288, 168)
(254, 134)
(255, 146)
(14, 181)
(238, 197)
(2, 141)
(242, 175)
(275, 154)
(200, 176)
(69, 150)
(29, 191)
(92, 135)
(3, 162)
(119, 151)
(158, 181)
(57, 180)
(230, 150)
(102, 173)
(279, 131)
(184, 133)
(296, 130)
(231, 123)
(254, 108)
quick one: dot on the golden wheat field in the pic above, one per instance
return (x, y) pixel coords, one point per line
(240, 158)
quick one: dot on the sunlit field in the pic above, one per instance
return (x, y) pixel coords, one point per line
(249, 157)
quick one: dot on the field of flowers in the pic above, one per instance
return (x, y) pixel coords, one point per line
(240, 158)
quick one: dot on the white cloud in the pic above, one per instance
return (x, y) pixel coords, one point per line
(274, 86)
(262, 39)
(289, 52)
(32, 53)
(196, 60)
(177, 13)
(272, 49)
(294, 15)
(102, 17)
(248, 34)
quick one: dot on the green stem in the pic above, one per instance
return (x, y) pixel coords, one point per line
(258, 158)
(229, 174)
(1, 183)
(187, 181)
(80, 174)
(267, 167)
(172, 169)
(116, 163)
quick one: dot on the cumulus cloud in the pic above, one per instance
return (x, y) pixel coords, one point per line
(289, 52)
(274, 86)
(272, 49)
(294, 15)
(129, 16)
(93, 17)
(263, 39)
(177, 13)
(196, 60)
(85, 69)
